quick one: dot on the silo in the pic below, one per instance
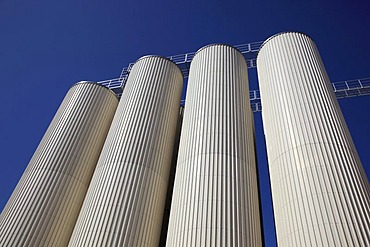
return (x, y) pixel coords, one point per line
(125, 202)
(171, 180)
(45, 204)
(319, 189)
(215, 196)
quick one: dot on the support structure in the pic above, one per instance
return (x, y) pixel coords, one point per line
(319, 188)
(215, 196)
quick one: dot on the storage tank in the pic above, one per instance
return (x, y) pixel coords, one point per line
(215, 196)
(319, 188)
(171, 180)
(125, 202)
(46, 202)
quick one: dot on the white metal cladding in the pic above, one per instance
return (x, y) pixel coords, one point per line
(125, 202)
(319, 188)
(166, 215)
(45, 204)
(215, 196)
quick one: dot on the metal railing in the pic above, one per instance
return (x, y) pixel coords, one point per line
(342, 89)
(352, 88)
(116, 85)
(249, 51)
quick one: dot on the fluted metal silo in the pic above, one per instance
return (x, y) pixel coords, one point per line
(171, 180)
(215, 196)
(125, 202)
(319, 189)
(45, 204)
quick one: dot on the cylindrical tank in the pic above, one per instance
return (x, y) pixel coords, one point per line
(125, 202)
(319, 189)
(171, 180)
(215, 196)
(44, 206)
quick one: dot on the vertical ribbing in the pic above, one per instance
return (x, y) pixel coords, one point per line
(125, 201)
(171, 180)
(215, 196)
(319, 188)
(45, 204)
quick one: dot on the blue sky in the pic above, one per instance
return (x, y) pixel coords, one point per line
(47, 46)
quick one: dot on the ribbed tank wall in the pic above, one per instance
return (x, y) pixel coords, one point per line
(45, 204)
(319, 189)
(215, 197)
(125, 202)
(167, 208)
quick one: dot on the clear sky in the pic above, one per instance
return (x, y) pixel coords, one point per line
(47, 46)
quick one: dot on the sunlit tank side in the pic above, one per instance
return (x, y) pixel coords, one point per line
(125, 202)
(319, 188)
(45, 204)
(215, 196)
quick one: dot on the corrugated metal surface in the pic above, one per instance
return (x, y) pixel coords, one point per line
(125, 202)
(45, 204)
(319, 188)
(215, 196)
(171, 180)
